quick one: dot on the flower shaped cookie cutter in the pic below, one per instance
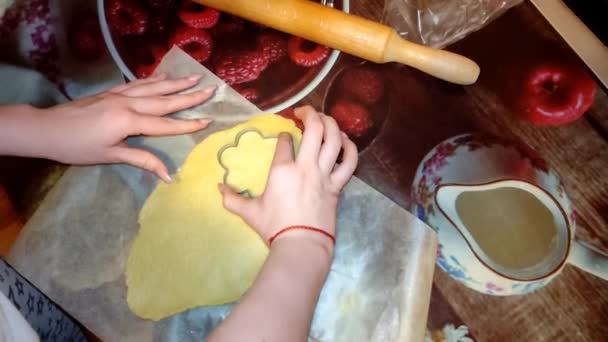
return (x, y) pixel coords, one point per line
(235, 145)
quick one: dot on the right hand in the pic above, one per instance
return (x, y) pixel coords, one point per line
(301, 190)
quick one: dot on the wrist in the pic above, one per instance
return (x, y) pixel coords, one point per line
(310, 245)
(20, 134)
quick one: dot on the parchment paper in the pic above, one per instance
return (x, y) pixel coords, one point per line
(75, 246)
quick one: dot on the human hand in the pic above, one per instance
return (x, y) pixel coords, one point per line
(302, 190)
(93, 130)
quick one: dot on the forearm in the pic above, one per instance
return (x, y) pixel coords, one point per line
(19, 132)
(281, 303)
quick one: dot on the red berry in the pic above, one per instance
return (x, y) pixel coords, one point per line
(163, 4)
(228, 27)
(160, 22)
(198, 16)
(236, 67)
(288, 113)
(273, 45)
(305, 53)
(365, 84)
(352, 117)
(85, 39)
(155, 56)
(248, 92)
(197, 43)
(126, 17)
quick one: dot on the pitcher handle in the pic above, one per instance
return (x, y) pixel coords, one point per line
(589, 259)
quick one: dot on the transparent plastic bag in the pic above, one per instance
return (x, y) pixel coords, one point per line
(438, 23)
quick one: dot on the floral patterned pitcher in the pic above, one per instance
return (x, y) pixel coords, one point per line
(504, 219)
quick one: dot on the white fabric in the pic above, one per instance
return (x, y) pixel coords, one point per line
(13, 327)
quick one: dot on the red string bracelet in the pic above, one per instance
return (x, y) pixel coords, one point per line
(312, 229)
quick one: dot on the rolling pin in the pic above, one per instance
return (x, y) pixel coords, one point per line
(351, 34)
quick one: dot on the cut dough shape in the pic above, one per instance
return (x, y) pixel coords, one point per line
(189, 250)
(251, 148)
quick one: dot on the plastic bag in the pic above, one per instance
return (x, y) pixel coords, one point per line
(438, 23)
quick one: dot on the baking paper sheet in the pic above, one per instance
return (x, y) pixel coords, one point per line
(75, 246)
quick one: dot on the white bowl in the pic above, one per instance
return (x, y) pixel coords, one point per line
(333, 57)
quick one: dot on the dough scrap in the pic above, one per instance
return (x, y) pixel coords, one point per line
(189, 250)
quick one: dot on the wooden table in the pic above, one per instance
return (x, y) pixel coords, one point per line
(425, 111)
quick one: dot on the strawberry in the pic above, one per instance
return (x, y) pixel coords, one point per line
(273, 45)
(239, 66)
(126, 17)
(198, 16)
(197, 43)
(352, 118)
(288, 113)
(155, 55)
(84, 38)
(248, 92)
(365, 84)
(305, 53)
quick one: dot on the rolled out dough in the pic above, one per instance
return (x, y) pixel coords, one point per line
(189, 250)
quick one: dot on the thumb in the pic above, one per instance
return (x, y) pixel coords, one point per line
(239, 205)
(142, 159)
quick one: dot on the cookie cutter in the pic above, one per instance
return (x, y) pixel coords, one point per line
(235, 144)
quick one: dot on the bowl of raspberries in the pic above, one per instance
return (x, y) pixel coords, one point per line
(272, 69)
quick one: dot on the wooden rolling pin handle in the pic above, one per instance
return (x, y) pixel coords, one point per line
(442, 64)
(351, 34)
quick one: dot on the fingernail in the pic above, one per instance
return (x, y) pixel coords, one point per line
(209, 90)
(161, 75)
(221, 187)
(284, 135)
(344, 135)
(195, 78)
(205, 121)
(165, 177)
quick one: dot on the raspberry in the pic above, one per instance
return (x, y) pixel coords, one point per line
(198, 16)
(288, 113)
(85, 39)
(197, 43)
(273, 45)
(365, 84)
(248, 92)
(155, 55)
(229, 27)
(236, 67)
(305, 53)
(126, 17)
(160, 22)
(351, 117)
(163, 4)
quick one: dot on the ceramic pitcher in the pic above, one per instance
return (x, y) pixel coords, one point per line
(504, 219)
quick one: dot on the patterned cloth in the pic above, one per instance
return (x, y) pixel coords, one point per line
(49, 321)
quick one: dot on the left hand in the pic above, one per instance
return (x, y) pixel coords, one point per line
(93, 130)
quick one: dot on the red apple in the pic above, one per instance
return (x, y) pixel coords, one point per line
(554, 94)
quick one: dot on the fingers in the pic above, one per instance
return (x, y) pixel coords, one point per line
(332, 144)
(120, 88)
(241, 206)
(141, 159)
(159, 126)
(163, 105)
(313, 134)
(345, 170)
(284, 151)
(163, 87)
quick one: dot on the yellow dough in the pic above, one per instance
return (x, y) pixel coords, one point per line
(189, 250)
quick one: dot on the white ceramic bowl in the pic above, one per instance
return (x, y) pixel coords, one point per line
(333, 57)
